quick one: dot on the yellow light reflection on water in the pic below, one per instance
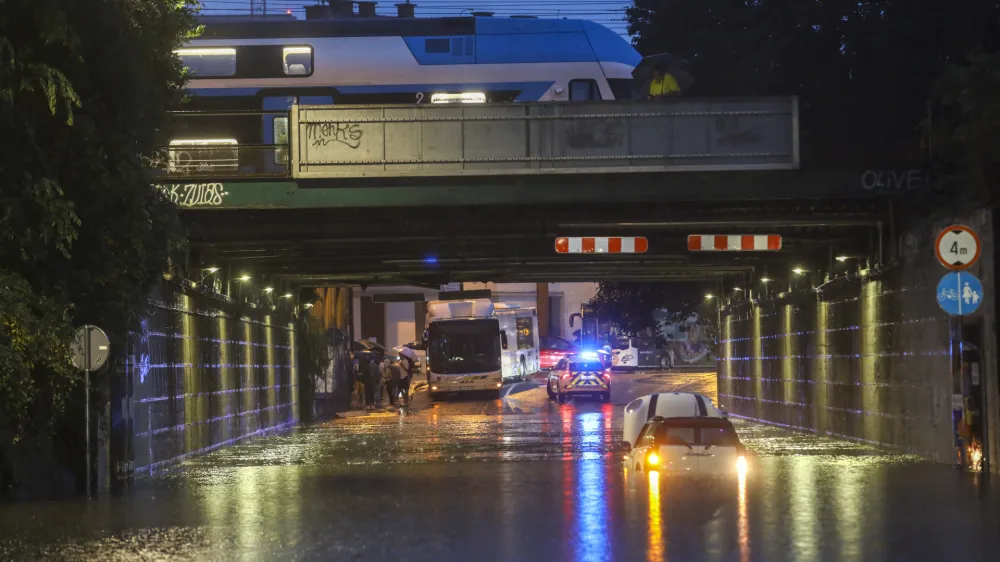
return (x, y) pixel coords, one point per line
(655, 551)
(805, 508)
(743, 523)
(850, 521)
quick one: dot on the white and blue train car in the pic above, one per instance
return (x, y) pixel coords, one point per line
(268, 65)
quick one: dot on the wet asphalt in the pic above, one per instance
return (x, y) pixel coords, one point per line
(519, 479)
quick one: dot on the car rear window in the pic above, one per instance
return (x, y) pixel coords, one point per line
(719, 436)
(714, 432)
(585, 366)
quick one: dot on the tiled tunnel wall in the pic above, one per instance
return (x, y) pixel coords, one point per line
(205, 373)
(867, 359)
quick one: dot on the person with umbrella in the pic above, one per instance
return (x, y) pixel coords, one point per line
(663, 83)
(662, 75)
(407, 366)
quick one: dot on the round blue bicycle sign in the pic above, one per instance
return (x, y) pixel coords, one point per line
(959, 293)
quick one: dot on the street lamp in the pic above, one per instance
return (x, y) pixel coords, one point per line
(286, 296)
(765, 280)
(210, 271)
(244, 278)
(709, 296)
(737, 289)
(842, 259)
(798, 271)
(268, 289)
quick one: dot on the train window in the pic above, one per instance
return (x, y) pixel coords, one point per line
(209, 63)
(298, 61)
(195, 156)
(280, 126)
(583, 90)
(437, 45)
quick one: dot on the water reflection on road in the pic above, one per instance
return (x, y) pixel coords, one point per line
(519, 479)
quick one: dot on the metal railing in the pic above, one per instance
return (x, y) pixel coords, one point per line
(485, 140)
(222, 161)
(544, 138)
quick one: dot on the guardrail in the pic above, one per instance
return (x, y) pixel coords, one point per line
(485, 140)
(222, 161)
(544, 138)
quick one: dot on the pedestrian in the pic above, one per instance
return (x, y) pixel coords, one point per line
(389, 377)
(373, 383)
(405, 376)
(360, 372)
(663, 84)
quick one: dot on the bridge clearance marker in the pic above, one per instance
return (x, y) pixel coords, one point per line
(602, 245)
(734, 242)
(957, 247)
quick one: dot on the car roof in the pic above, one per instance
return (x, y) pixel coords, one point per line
(677, 405)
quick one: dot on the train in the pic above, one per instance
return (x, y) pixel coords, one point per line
(246, 66)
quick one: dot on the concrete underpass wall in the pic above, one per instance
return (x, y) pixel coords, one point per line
(864, 358)
(204, 373)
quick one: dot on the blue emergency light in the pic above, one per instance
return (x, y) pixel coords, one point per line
(589, 355)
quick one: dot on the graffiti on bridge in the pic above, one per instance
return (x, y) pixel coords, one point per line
(894, 180)
(731, 133)
(195, 194)
(605, 133)
(323, 134)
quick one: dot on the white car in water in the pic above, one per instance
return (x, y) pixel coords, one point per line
(681, 432)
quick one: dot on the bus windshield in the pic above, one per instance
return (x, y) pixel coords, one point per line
(464, 346)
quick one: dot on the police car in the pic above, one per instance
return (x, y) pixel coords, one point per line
(681, 432)
(578, 374)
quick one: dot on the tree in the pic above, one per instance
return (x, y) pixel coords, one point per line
(863, 70)
(964, 134)
(84, 87)
(632, 307)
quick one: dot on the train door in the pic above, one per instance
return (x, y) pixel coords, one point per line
(275, 127)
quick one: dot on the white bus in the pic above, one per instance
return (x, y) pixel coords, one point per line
(520, 356)
(474, 345)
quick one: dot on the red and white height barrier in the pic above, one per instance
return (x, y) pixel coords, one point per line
(602, 245)
(734, 242)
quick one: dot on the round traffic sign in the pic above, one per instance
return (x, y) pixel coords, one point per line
(90, 348)
(959, 293)
(957, 247)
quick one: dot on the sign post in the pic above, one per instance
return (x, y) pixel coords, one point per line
(90, 349)
(957, 248)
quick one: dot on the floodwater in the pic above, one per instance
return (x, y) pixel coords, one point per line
(519, 479)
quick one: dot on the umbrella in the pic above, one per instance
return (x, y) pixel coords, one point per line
(409, 354)
(674, 64)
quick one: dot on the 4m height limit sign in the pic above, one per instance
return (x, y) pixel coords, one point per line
(957, 247)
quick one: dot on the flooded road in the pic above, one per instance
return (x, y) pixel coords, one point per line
(517, 479)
